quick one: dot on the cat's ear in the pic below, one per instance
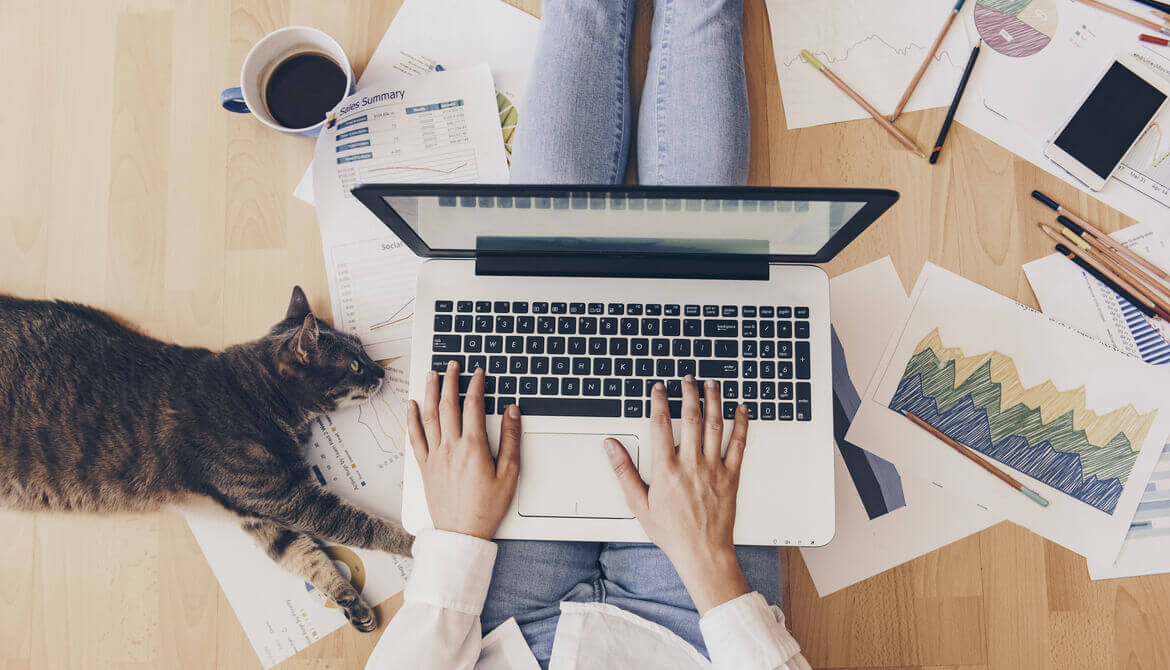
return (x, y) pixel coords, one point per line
(303, 344)
(298, 305)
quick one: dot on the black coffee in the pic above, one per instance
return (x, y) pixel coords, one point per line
(302, 90)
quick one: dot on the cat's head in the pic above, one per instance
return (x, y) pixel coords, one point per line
(324, 368)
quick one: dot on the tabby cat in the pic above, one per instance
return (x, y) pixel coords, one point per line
(97, 417)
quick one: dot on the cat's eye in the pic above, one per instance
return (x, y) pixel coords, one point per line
(355, 366)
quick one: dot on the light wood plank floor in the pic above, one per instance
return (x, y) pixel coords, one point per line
(122, 184)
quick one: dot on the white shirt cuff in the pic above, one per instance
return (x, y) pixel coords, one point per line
(451, 571)
(747, 633)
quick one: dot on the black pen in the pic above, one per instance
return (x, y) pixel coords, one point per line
(1109, 283)
(946, 126)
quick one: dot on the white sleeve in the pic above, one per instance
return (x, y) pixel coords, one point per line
(438, 625)
(748, 634)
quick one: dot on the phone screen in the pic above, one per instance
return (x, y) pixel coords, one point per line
(1110, 120)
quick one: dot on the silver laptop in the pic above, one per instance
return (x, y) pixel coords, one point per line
(577, 299)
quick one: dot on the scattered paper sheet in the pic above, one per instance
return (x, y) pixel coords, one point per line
(884, 518)
(1071, 295)
(1075, 420)
(441, 127)
(429, 35)
(876, 46)
(355, 453)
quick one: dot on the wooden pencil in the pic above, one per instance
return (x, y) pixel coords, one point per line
(926, 61)
(1152, 25)
(882, 121)
(1156, 291)
(970, 454)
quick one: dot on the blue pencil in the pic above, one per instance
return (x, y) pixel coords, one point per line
(946, 126)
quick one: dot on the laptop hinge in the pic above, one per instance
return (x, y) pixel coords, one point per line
(633, 265)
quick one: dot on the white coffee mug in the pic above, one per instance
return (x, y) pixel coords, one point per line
(272, 50)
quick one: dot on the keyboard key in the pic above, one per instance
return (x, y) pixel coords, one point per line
(751, 390)
(540, 308)
(591, 386)
(692, 327)
(483, 306)
(507, 385)
(445, 343)
(673, 388)
(556, 345)
(514, 344)
(539, 365)
(616, 308)
(749, 348)
(749, 328)
(443, 306)
(623, 367)
(576, 346)
(729, 311)
(497, 365)
(767, 390)
(650, 327)
(753, 410)
(726, 349)
(463, 323)
(609, 326)
(784, 391)
(680, 348)
(784, 313)
(597, 346)
(639, 347)
(749, 370)
(566, 325)
(633, 387)
(767, 370)
(518, 365)
(691, 310)
(489, 405)
(581, 366)
(784, 369)
(653, 310)
(767, 411)
(768, 329)
(560, 308)
(570, 386)
(464, 306)
(660, 346)
(664, 367)
(501, 306)
(783, 349)
(612, 387)
(576, 308)
(729, 410)
(784, 328)
(519, 307)
(493, 344)
(784, 411)
(702, 348)
(483, 323)
(687, 367)
(719, 369)
(602, 366)
(619, 346)
(439, 361)
(801, 312)
(587, 325)
(560, 365)
(803, 401)
(720, 328)
(595, 308)
(476, 362)
(803, 366)
(629, 326)
(546, 325)
(502, 405)
(525, 324)
(730, 389)
(549, 386)
(802, 329)
(671, 310)
(505, 324)
(710, 310)
(633, 409)
(529, 386)
(749, 311)
(767, 313)
(473, 344)
(767, 349)
(443, 323)
(671, 327)
(534, 344)
(634, 309)
(644, 367)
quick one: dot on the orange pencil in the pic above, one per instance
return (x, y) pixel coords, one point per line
(890, 128)
(926, 61)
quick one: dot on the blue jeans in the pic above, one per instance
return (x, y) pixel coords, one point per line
(576, 122)
(532, 578)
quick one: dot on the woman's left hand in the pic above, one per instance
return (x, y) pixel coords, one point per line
(467, 490)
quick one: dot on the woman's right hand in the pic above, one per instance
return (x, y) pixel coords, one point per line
(688, 509)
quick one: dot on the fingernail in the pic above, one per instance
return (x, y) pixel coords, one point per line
(479, 371)
(513, 412)
(659, 386)
(432, 374)
(689, 378)
(451, 365)
(710, 383)
(610, 445)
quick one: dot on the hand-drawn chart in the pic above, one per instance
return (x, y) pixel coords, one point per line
(1016, 28)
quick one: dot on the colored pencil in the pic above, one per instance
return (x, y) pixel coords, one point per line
(926, 61)
(1100, 276)
(1152, 25)
(970, 454)
(1153, 290)
(946, 126)
(1160, 7)
(890, 128)
(1160, 41)
(1105, 240)
(1088, 256)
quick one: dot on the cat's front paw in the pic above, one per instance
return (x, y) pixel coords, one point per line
(361, 616)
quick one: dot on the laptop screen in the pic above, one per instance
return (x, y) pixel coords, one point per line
(669, 220)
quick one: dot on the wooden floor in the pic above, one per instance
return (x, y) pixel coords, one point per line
(122, 184)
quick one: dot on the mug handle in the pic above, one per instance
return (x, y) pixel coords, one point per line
(232, 99)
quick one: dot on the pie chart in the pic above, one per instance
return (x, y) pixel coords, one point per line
(1016, 28)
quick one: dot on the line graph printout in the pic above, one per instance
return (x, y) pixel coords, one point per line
(359, 460)
(441, 127)
(1073, 419)
(1146, 167)
(876, 46)
(1066, 293)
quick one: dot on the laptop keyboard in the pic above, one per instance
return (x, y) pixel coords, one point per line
(602, 359)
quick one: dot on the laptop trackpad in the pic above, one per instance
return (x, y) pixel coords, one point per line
(568, 475)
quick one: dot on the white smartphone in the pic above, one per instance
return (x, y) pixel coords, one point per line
(1109, 121)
